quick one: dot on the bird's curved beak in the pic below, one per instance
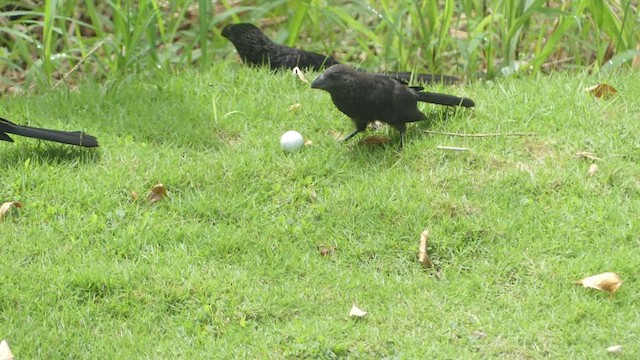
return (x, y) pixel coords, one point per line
(319, 83)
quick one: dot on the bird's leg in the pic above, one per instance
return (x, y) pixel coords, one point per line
(360, 127)
(402, 128)
(401, 140)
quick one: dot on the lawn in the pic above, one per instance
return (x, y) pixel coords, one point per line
(228, 265)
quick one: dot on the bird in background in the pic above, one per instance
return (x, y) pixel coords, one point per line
(256, 49)
(77, 138)
(369, 97)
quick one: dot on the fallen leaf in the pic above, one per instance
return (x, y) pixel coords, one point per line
(326, 250)
(356, 312)
(478, 334)
(593, 169)
(157, 193)
(295, 107)
(308, 142)
(375, 140)
(5, 352)
(10, 208)
(297, 72)
(335, 134)
(587, 155)
(609, 282)
(423, 257)
(615, 349)
(603, 91)
(134, 195)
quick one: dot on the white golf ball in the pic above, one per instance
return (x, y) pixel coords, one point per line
(291, 141)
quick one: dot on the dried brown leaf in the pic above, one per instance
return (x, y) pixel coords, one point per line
(356, 312)
(10, 208)
(602, 91)
(375, 140)
(326, 250)
(157, 193)
(308, 142)
(335, 134)
(134, 195)
(587, 155)
(593, 169)
(423, 257)
(609, 282)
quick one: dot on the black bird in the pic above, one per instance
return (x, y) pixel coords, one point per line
(256, 49)
(368, 97)
(66, 137)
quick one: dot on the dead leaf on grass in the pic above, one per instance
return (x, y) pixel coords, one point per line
(375, 140)
(10, 208)
(593, 169)
(603, 91)
(609, 282)
(335, 134)
(423, 257)
(356, 312)
(587, 155)
(308, 142)
(5, 352)
(326, 250)
(157, 193)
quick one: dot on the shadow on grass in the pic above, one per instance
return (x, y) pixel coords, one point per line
(17, 154)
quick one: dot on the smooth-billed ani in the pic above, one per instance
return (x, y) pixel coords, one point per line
(256, 49)
(368, 97)
(66, 137)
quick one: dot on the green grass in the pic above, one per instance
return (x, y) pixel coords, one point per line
(44, 43)
(228, 265)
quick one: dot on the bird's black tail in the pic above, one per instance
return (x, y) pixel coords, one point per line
(444, 99)
(66, 137)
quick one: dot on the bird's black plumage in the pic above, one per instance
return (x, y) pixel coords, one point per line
(66, 137)
(256, 49)
(368, 97)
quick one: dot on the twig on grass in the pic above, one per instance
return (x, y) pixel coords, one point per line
(478, 135)
(452, 148)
